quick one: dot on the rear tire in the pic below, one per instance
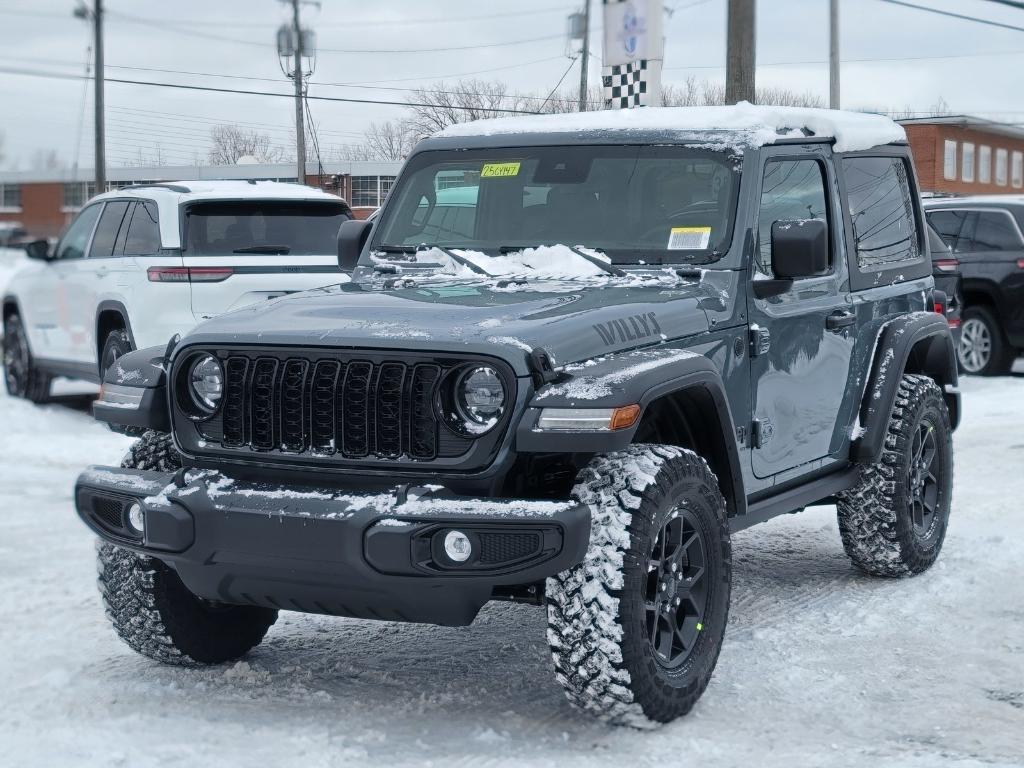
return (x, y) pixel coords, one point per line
(636, 628)
(116, 345)
(153, 611)
(984, 350)
(894, 521)
(21, 376)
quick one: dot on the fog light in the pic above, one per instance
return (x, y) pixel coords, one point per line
(135, 518)
(457, 546)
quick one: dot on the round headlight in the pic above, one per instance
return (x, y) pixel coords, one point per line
(479, 398)
(206, 382)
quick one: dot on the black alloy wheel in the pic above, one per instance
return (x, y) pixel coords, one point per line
(676, 597)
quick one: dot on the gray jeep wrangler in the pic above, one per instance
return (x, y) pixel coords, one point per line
(575, 355)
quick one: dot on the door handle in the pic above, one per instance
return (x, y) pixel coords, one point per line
(101, 272)
(839, 320)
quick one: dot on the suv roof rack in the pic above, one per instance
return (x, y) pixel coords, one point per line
(172, 187)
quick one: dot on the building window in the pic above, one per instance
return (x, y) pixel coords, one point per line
(949, 162)
(1001, 163)
(967, 162)
(985, 164)
(77, 193)
(370, 191)
(10, 196)
(1017, 170)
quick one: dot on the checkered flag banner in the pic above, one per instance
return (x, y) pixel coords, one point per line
(634, 45)
(625, 85)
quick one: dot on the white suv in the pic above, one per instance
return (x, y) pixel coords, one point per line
(138, 265)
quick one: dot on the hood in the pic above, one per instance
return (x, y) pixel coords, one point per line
(573, 320)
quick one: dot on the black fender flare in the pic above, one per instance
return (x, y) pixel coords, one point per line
(141, 373)
(640, 377)
(919, 342)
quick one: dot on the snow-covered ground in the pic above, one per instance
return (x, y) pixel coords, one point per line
(822, 666)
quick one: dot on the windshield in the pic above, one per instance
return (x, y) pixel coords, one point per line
(636, 204)
(263, 227)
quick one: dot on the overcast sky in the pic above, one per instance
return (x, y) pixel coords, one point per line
(894, 57)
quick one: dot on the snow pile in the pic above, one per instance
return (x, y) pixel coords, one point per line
(753, 125)
(594, 387)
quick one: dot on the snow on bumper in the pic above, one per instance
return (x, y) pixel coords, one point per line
(373, 555)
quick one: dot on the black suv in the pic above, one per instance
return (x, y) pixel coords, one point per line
(577, 353)
(985, 236)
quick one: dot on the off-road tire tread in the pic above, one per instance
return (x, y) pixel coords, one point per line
(868, 513)
(151, 609)
(584, 627)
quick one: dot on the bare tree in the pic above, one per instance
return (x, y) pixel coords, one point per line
(692, 92)
(393, 140)
(45, 160)
(440, 105)
(231, 142)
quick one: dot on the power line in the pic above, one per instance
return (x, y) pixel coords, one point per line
(212, 89)
(951, 14)
(1012, 3)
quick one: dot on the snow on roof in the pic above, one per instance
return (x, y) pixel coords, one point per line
(188, 191)
(755, 125)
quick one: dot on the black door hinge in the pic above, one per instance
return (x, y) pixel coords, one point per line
(760, 340)
(761, 433)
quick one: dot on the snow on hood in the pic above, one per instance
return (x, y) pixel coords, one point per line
(553, 262)
(757, 125)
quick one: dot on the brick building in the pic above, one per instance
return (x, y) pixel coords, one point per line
(959, 154)
(45, 201)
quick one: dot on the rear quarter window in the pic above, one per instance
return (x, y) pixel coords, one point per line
(884, 221)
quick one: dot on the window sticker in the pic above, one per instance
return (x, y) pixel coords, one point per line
(689, 238)
(499, 170)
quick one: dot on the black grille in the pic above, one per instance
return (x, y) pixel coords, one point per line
(349, 408)
(108, 512)
(507, 547)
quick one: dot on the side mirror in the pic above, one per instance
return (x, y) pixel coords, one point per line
(799, 248)
(352, 236)
(38, 249)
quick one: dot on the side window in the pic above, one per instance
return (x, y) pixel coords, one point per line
(143, 232)
(76, 239)
(791, 189)
(108, 228)
(882, 210)
(949, 225)
(996, 231)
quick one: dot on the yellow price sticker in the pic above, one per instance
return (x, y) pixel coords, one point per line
(499, 170)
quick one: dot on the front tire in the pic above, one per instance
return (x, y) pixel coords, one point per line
(893, 522)
(153, 611)
(21, 376)
(116, 345)
(636, 628)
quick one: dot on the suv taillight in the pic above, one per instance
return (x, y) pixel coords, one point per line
(1020, 263)
(188, 274)
(946, 265)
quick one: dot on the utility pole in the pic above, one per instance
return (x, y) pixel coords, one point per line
(300, 128)
(833, 54)
(585, 56)
(741, 57)
(95, 15)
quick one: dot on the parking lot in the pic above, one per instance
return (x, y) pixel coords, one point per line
(821, 664)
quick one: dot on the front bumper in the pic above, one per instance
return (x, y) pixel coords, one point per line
(368, 555)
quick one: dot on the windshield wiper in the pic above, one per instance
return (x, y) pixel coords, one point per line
(277, 249)
(426, 247)
(604, 265)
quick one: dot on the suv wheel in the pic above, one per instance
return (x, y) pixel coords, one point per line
(894, 521)
(983, 350)
(636, 628)
(21, 376)
(153, 611)
(116, 345)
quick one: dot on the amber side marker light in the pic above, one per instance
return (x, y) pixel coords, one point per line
(588, 419)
